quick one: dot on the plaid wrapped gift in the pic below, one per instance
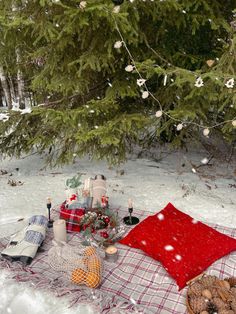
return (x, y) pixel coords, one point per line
(72, 217)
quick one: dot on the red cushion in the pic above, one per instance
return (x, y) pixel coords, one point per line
(183, 245)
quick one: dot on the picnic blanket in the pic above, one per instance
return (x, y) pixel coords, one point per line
(134, 283)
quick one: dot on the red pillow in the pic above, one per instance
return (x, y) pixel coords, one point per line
(184, 246)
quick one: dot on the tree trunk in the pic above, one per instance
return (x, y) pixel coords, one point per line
(1, 95)
(12, 89)
(5, 88)
(20, 81)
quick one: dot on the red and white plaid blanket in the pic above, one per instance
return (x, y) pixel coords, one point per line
(134, 283)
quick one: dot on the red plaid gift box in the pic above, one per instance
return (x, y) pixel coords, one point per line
(72, 217)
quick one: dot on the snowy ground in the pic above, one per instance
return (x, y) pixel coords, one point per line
(207, 193)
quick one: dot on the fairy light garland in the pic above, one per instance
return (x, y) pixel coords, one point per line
(141, 82)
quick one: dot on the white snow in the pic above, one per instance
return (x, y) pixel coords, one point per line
(168, 248)
(207, 195)
(160, 216)
(178, 257)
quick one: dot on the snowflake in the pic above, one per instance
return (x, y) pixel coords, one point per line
(169, 248)
(178, 257)
(160, 216)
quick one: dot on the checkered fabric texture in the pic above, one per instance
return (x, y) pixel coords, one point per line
(72, 218)
(38, 220)
(135, 280)
(34, 237)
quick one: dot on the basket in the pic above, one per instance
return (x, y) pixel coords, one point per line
(224, 291)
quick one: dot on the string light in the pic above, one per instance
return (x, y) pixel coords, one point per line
(198, 83)
(206, 132)
(145, 94)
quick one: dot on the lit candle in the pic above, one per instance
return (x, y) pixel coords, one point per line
(59, 230)
(49, 200)
(111, 253)
(130, 203)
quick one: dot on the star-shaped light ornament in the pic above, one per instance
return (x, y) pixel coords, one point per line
(140, 82)
(118, 44)
(145, 94)
(159, 113)
(199, 82)
(230, 83)
(129, 68)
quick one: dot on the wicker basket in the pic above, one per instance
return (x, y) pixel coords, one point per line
(224, 293)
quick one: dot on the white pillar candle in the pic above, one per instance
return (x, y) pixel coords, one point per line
(59, 230)
(111, 253)
(87, 184)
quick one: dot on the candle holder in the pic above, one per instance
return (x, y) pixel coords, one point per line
(49, 206)
(131, 220)
(111, 254)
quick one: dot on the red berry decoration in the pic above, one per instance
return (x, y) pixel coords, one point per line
(106, 220)
(85, 227)
(105, 235)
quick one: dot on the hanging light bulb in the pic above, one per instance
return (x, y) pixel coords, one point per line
(179, 127)
(206, 132)
(159, 113)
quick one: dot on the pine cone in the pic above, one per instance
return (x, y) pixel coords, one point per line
(233, 291)
(232, 281)
(233, 305)
(195, 289)
(220, 304)
(198, 304)
(208, 281)
(212, 308)
(214, 292)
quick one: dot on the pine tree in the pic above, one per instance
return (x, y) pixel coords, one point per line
(87, 103)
